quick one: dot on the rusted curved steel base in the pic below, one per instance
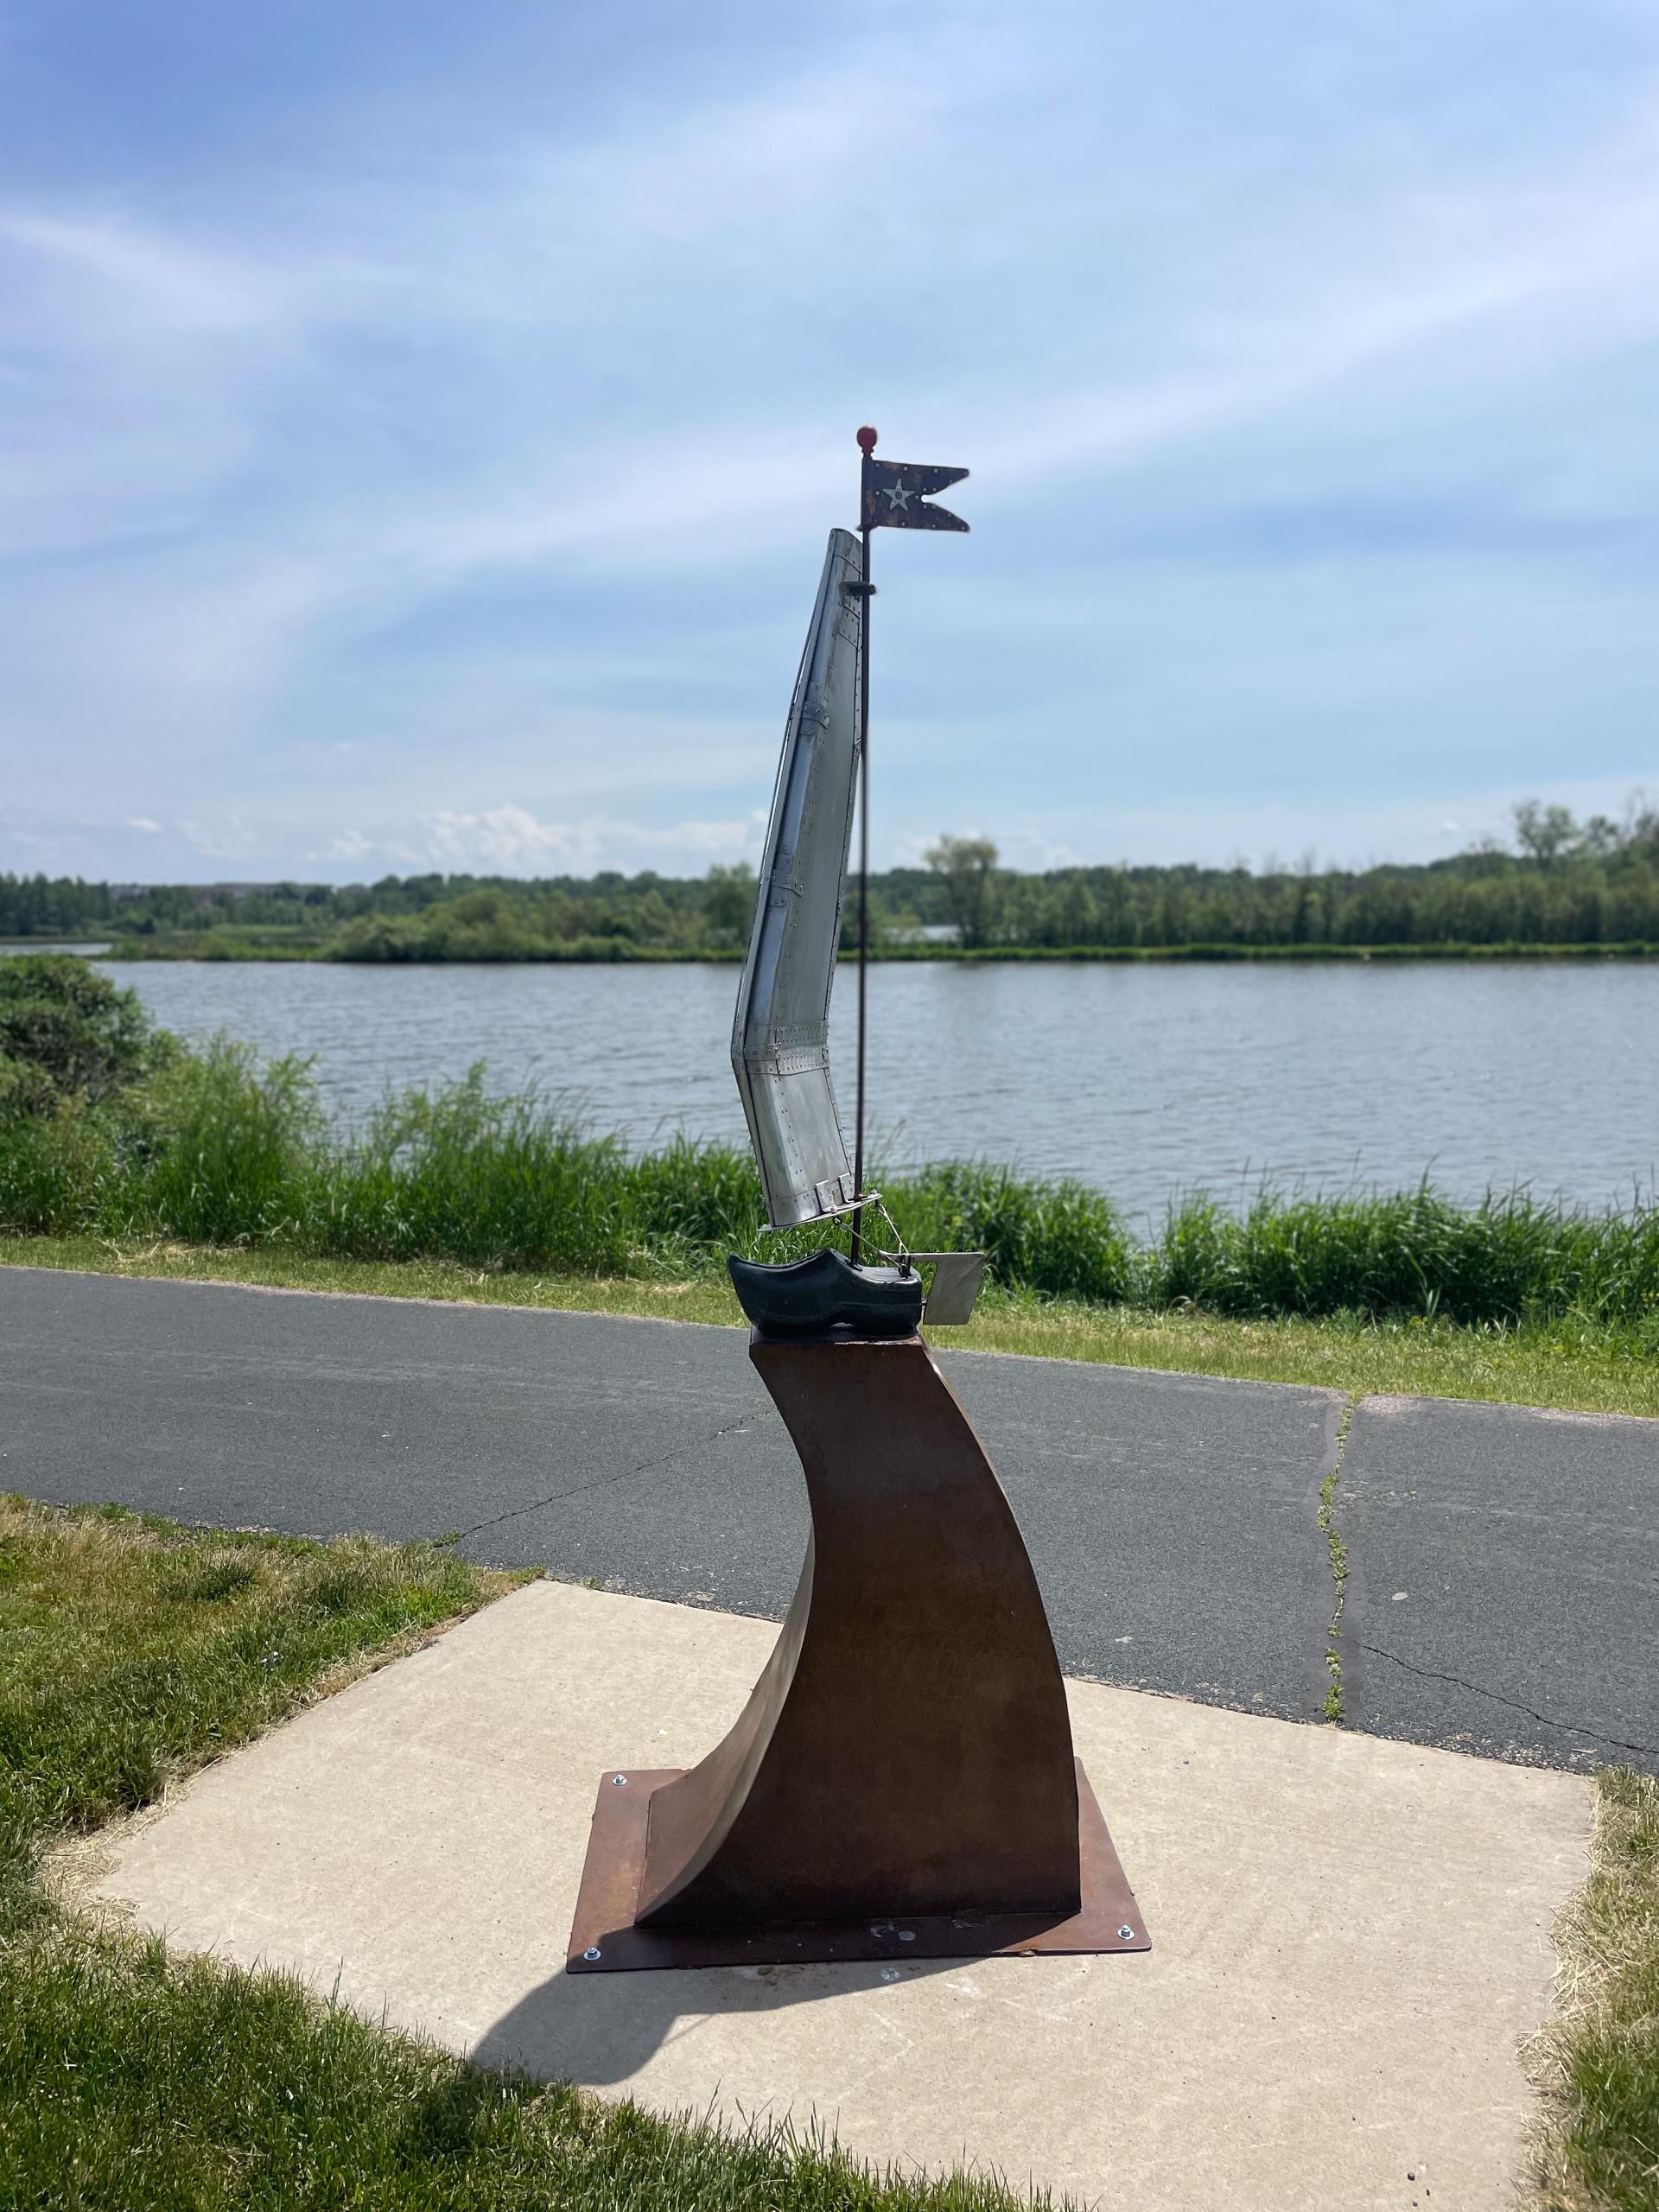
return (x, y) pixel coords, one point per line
(901, 1782)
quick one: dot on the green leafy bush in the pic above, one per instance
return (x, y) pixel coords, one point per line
(68, 1035)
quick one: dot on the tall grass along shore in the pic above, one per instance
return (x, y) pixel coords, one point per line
(108, 1128)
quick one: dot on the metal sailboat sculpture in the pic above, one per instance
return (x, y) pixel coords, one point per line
(780, 1037)
(901, 1783)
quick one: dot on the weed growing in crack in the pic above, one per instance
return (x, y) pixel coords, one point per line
(1335, 1707)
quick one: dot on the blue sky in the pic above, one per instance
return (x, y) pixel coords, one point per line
(419, 423)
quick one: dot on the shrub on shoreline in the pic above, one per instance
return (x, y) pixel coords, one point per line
(69, 1036)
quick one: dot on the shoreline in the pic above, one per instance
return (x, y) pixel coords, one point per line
(242, 952)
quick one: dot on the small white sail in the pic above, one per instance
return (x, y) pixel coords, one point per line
(780, 1037)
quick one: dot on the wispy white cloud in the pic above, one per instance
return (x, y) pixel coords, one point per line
(142, 280)
(222, 836)
(510, 840)
(457, 447)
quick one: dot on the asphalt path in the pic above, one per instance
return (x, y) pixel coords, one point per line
(1504, 1591)
(1503, 1587)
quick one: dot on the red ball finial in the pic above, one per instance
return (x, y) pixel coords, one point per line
(867, 441)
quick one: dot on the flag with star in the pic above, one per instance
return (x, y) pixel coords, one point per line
(896, 494)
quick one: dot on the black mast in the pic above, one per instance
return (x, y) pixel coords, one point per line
(867, 592)
(908, 490)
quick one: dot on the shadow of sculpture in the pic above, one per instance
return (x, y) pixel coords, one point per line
(600, 2030)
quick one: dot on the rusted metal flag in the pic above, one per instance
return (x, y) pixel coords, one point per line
(897, 492)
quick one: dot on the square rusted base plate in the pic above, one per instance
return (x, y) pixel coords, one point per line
(603, 1939)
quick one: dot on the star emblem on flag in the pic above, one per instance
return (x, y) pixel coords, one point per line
(898, 496)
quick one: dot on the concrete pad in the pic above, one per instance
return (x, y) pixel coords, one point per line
(1452, 1635)
(1352, 1936)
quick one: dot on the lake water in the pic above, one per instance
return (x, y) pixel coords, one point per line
(1143, 1081)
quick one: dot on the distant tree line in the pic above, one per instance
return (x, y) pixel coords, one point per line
(1562, 882)
(67, 906)
(1558, 881)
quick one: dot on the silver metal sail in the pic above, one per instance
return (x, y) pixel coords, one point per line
(780, 1037)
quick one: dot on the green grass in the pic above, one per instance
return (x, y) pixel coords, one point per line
(150, 2085)
(455, 1191)
(1563, 1365)
(214, 1148)
(130, 1650)
(1602, 2151)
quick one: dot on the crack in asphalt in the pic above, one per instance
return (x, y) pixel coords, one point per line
(1336, 1703)
(599, 1482)
(1459, 1681)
